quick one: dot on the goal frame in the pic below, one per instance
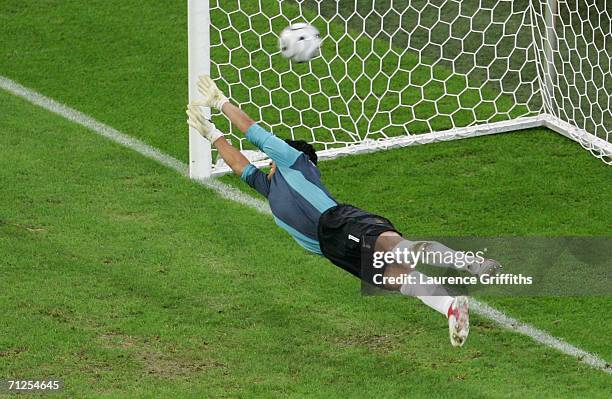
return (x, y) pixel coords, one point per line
(200, 152)
(198, 42)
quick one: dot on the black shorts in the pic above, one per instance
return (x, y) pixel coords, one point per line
(342, 231)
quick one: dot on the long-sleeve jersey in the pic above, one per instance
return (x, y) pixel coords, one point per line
(295, 193)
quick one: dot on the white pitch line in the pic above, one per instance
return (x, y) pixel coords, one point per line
(540, 336)
(104, 130)
(234, 194)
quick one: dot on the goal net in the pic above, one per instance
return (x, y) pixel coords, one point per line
(400, 72)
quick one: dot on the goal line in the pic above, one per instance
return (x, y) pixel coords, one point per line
(598, 147)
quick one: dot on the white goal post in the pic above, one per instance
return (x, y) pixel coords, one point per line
(394, 73)
(198, 42)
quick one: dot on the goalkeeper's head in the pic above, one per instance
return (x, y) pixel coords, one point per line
(306, 148)
(299, 145)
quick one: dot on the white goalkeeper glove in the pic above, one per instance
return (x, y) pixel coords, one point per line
(212, 96)
(197, 121)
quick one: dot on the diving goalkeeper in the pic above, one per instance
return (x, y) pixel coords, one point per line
(305, 209)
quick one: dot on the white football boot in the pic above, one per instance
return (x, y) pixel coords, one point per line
(459, 320)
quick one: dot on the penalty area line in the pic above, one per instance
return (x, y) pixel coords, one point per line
(234, 194)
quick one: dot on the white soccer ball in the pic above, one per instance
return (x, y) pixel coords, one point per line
(300, 42)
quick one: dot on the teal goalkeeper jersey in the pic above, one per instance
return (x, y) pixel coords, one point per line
(296, 194)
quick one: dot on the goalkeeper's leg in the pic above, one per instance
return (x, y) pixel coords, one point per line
(433, 295)
(455, 309)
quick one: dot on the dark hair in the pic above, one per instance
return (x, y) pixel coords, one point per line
(306, 148)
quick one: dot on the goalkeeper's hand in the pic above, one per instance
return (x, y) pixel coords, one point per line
(212, 96)
(201, 124)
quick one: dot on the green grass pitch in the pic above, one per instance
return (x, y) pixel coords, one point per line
(126, 280)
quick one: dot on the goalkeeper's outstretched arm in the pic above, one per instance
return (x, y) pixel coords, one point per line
(237, 116)
(232, 156)
(279, 151)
